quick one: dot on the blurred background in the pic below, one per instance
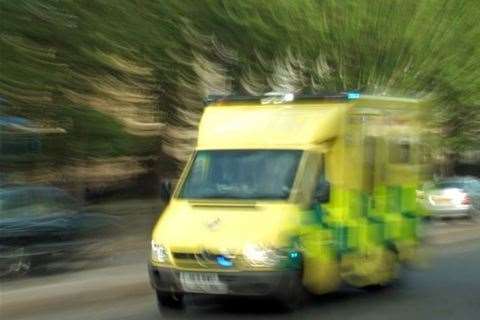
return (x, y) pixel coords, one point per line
(100, 102)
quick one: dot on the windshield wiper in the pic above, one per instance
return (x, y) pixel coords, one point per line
(240, 196)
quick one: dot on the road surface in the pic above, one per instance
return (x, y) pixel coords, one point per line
(447, 288)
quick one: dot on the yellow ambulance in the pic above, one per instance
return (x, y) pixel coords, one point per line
(286, 194)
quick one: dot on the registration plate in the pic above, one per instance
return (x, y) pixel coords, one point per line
(202, 282)
(441, 200)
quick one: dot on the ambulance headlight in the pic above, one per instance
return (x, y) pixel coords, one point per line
(159, 252)
(259, 256)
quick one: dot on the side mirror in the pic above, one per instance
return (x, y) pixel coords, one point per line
(166, 190)
(322, 192)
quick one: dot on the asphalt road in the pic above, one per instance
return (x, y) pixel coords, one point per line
(448, 289)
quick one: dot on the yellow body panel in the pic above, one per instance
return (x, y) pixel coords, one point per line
(253, 127)
(184, 225)
(348, 239)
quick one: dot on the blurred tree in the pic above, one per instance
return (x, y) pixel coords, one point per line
(145, 65)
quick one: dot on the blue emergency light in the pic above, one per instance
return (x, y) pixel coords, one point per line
(353, 95)
(224, 261)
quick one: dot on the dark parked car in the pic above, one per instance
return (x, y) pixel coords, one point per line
(41, 224)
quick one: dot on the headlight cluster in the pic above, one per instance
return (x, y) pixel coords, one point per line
(258, 256)
(159, 252)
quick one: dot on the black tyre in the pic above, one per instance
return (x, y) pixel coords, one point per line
(173, 300)
(293, 295)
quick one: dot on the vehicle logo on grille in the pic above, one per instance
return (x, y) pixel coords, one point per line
(213, 225)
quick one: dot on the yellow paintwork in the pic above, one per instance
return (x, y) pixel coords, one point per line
(337, 130)
(269, 127)
(183, 226)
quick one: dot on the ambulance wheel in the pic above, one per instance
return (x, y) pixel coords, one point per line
(172, 300)
(391, 271)
(293, 294)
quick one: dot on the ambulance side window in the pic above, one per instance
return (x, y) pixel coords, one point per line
(400, 152)
(201, 169)
(321, 192)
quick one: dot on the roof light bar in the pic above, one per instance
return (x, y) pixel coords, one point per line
(353, 95)
(279, 98)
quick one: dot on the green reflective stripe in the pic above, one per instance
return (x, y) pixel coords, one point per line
(319, 215)
(339, 231)
(316, 216)
(380, 196)
(410, 226)
(394, 196)
(358, 219)
(409, 199)
(341, 239)
(365, 204)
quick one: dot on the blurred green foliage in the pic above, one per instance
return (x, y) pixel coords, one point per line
(157, 59)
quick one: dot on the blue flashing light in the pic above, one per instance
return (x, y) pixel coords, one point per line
(353, 95)
(294, 254)
(224, 261)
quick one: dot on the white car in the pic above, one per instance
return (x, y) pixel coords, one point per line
(453, 197)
